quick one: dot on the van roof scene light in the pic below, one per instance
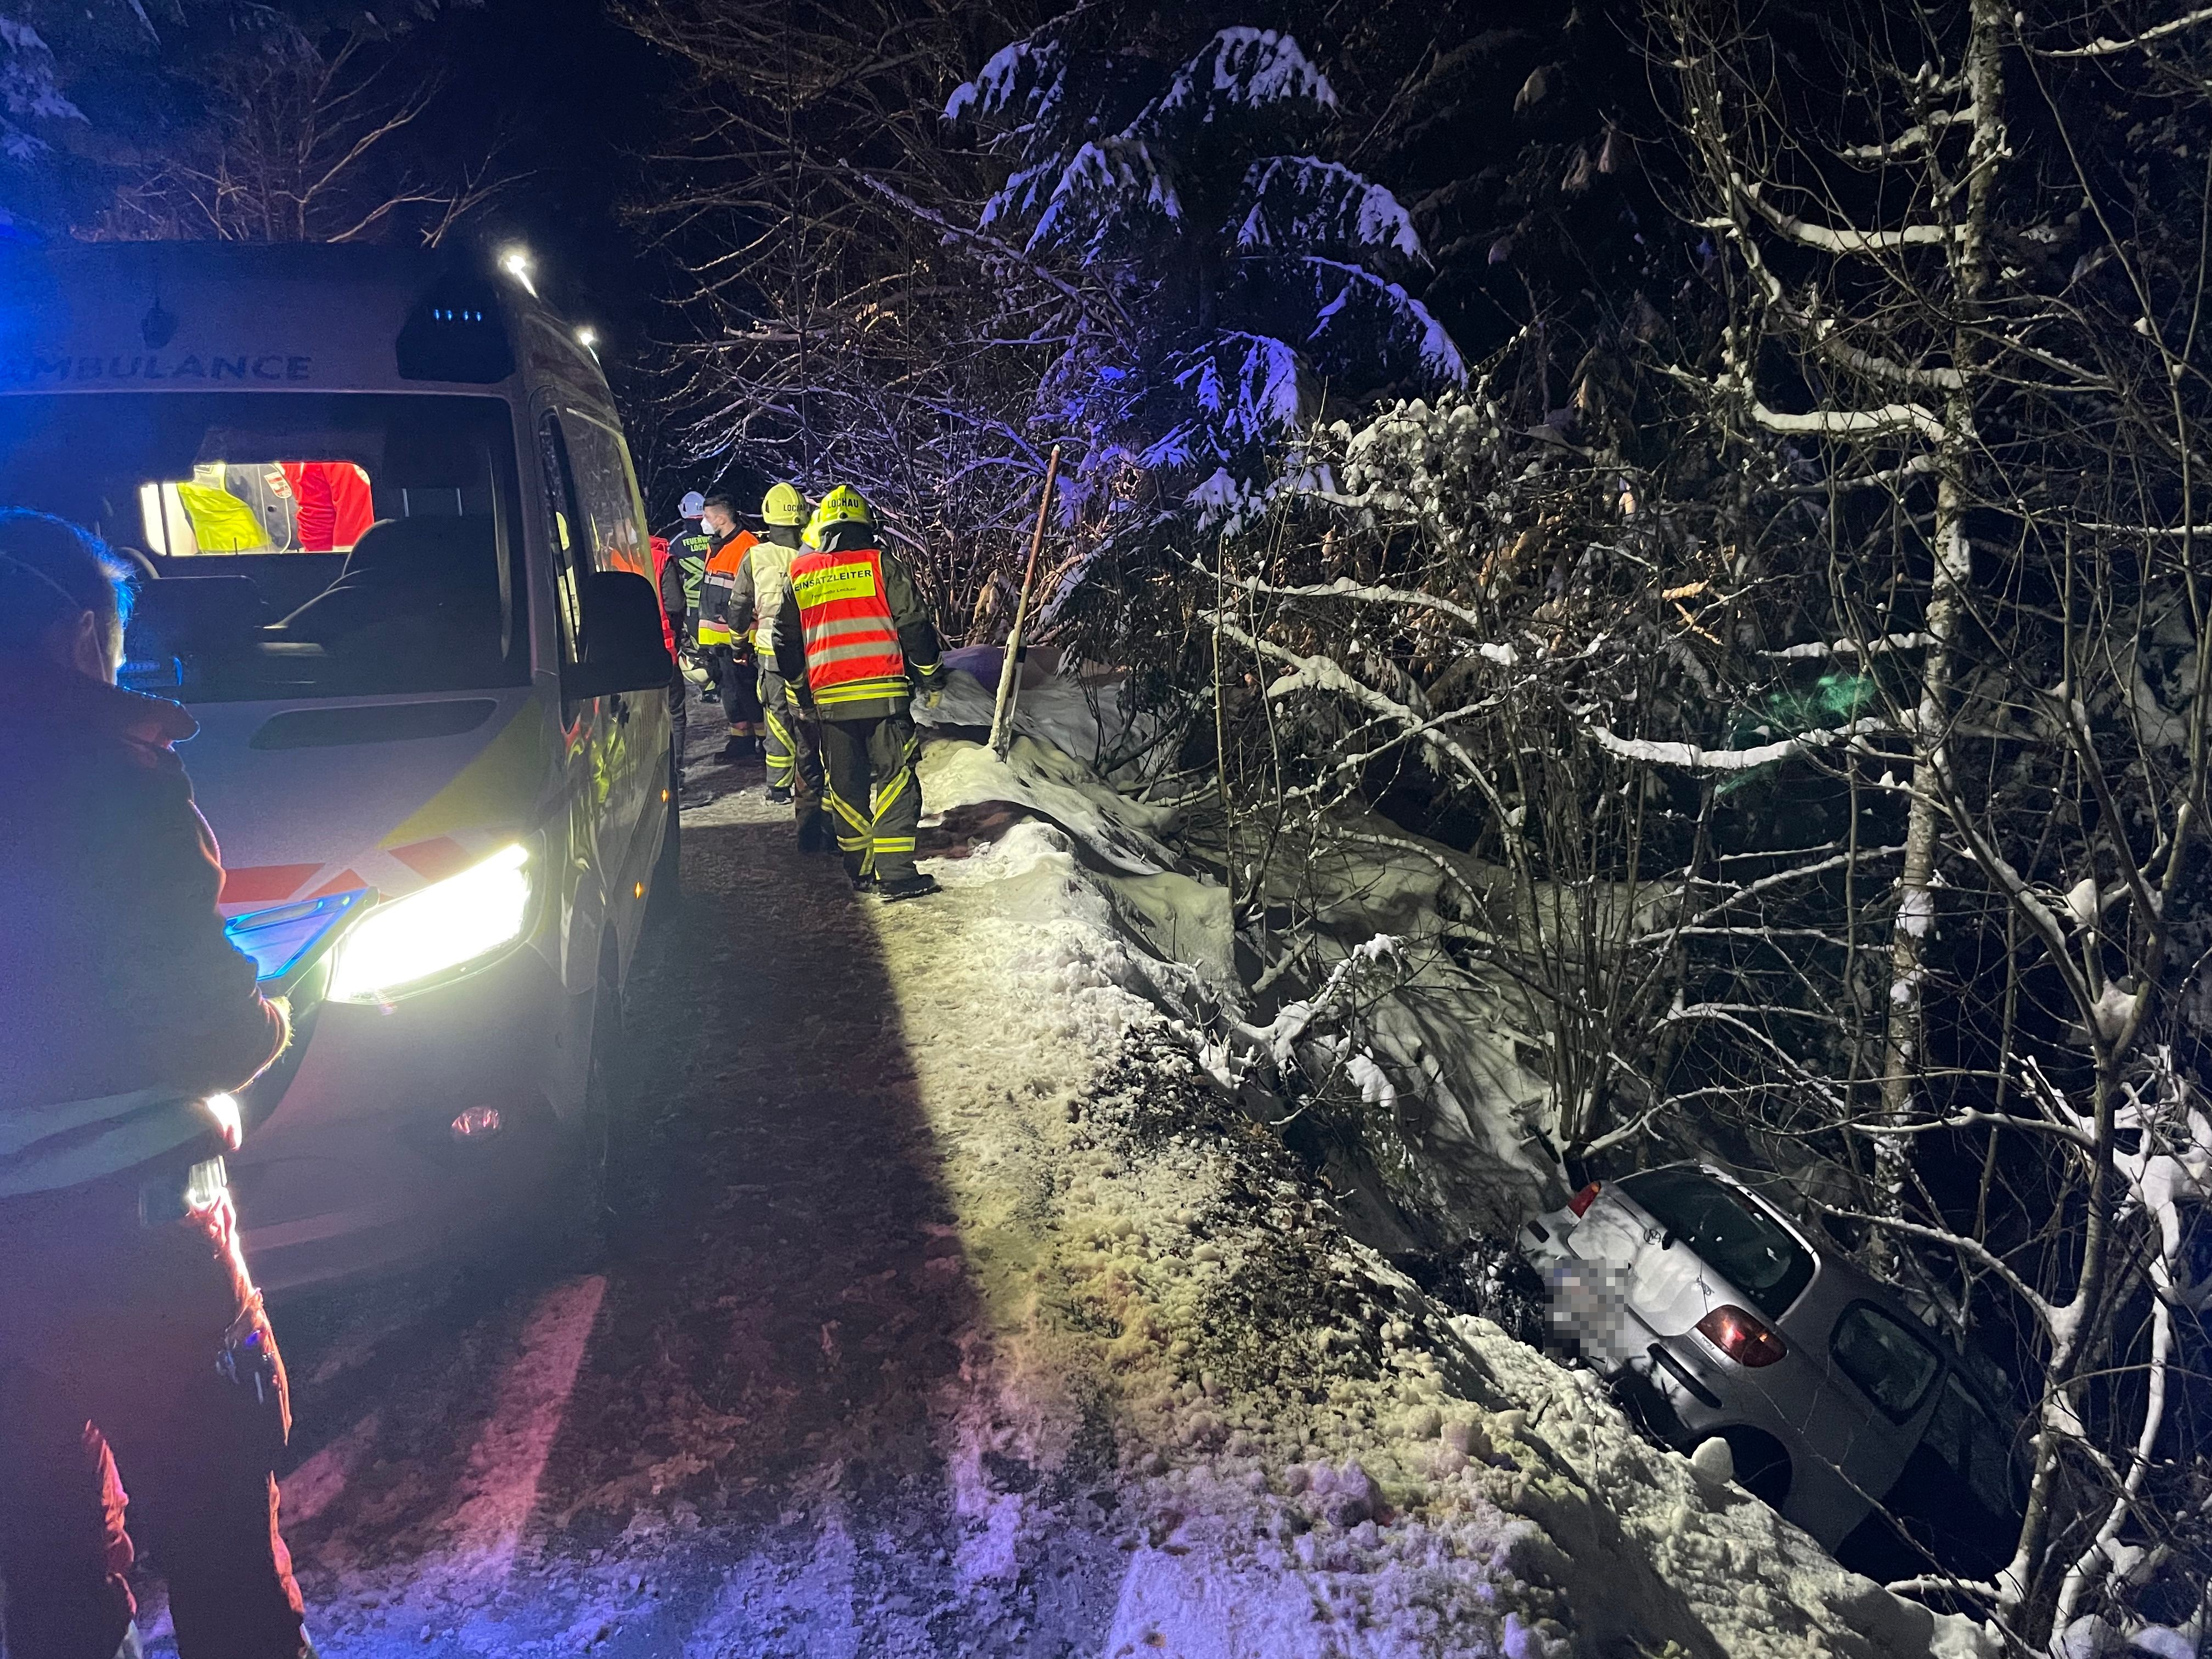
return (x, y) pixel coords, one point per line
(515, 262)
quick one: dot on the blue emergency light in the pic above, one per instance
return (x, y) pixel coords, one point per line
(276, 939)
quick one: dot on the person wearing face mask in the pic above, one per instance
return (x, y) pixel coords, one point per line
(680, 566)
(134, 1347)
(729, 654)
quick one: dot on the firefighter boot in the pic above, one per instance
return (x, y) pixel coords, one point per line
(920, 884)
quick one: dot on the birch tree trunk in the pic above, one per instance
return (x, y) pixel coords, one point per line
(1951, 584)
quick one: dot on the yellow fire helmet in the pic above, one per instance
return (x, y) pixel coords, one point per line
(811, 536)
(783, 504)
(843, 505)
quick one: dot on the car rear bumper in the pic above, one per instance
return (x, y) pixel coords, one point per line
(1681, 1390)
(1682, 1399)
(357, 1170)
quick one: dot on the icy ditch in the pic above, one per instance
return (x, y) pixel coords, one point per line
(1453, 1122)
(1084, 717)
(1300, 1454)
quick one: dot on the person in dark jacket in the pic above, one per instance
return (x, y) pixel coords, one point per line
(679, 575)
(863, 649)
(132, 1336)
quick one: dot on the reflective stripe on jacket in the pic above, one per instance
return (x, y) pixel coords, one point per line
(123, 1003)
(762, 583)
(715, 584)
(852, 651)
(690, 552)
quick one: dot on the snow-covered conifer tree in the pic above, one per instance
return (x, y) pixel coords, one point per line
(1245, 271)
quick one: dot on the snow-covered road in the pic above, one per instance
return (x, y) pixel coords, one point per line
(954, 1313)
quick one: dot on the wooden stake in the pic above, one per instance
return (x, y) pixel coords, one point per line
(1009, 671)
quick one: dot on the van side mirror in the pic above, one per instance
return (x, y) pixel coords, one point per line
(622, 646)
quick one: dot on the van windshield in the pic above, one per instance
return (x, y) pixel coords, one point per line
(1758, 1256)
(291, 545)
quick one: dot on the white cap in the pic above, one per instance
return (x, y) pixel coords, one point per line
(692, 505)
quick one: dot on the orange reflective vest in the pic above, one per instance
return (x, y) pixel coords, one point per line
(852, 651)
(719, 576)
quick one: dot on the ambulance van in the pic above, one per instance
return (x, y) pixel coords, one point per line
(392, 558)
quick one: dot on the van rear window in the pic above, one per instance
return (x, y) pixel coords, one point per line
(1743, 1242)
(292, 545)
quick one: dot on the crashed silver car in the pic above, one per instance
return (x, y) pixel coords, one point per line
(1716, 1316)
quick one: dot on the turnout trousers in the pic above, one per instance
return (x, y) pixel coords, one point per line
(733, 685)
(134, 1354)
(873, 795)
(794, 762)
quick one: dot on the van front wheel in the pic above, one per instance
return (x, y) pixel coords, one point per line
(583, 1211)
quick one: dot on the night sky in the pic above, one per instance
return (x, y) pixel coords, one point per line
(579, 98)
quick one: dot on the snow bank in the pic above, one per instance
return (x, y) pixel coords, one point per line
(1463, 1150)
(1120, 833)
(1293, 1453)
(1089, 720)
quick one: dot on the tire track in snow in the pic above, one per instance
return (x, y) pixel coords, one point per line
(507, 1465)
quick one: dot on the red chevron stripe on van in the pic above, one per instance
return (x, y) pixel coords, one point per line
(265, 883)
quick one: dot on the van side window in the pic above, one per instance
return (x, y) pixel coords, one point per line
(1892, 1365)
(607, 491)
(571, 552)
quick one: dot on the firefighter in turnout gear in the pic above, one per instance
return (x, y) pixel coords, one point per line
(681, 578)
(728, 652)
(756, 608)
(864, 648)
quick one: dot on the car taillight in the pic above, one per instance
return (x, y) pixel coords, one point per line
(1740, 1337)
(1580, 1202)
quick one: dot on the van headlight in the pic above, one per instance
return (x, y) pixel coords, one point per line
(398, 947)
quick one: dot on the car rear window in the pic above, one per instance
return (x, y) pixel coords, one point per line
(1893, 1367)
(1757, 1255)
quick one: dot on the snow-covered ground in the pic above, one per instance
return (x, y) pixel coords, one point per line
(960, 1311)
(1338, 1468)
